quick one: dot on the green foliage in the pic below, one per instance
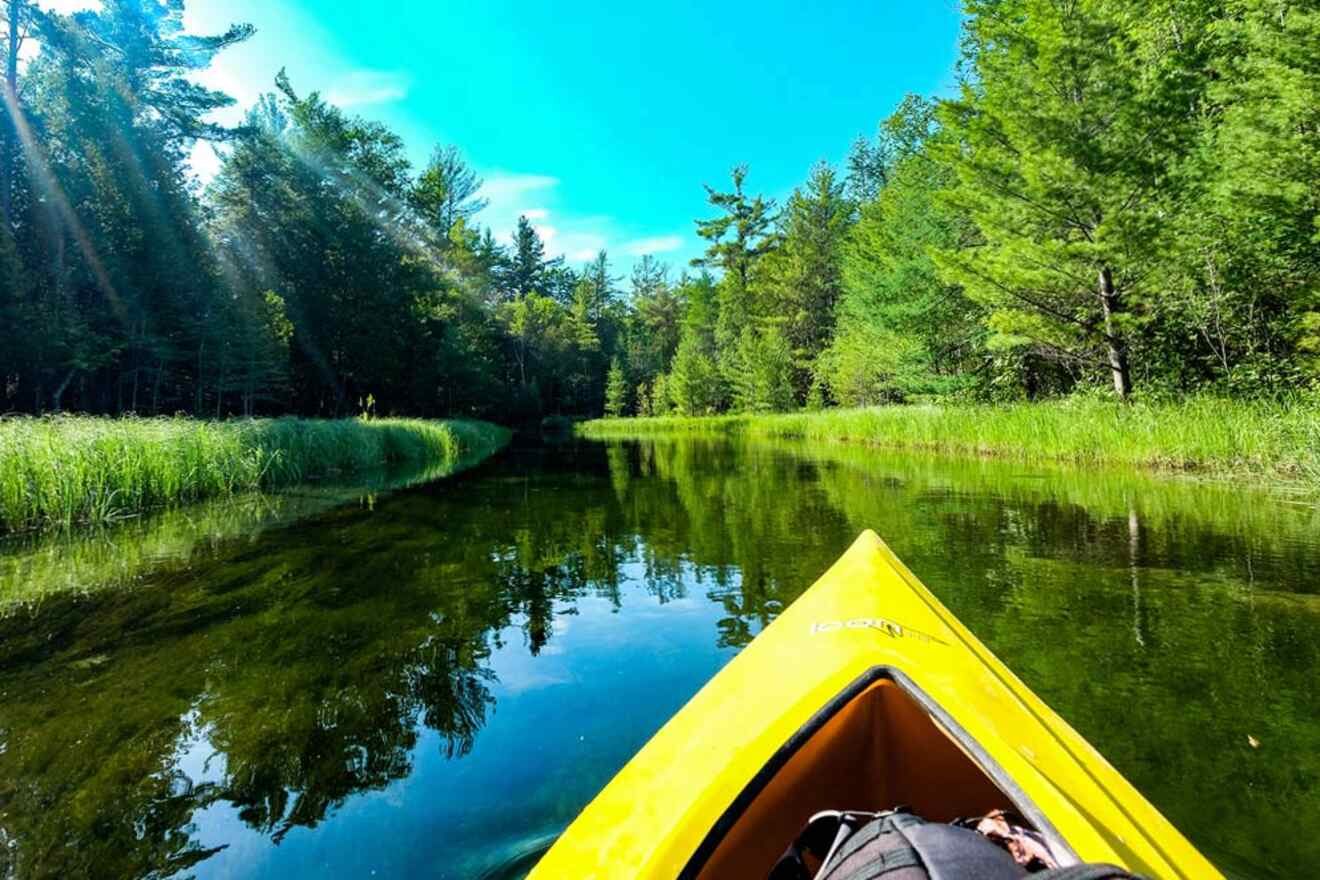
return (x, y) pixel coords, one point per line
(616, 391)
(656, 315)
(868, 364)
(642, 395)
(662, 403)
(804, 274)
(739, 237)
(694, 385)
(316, 268)
(1063, 148)
(445, 194)
(764, 372)
(527, 270)
(901, 329)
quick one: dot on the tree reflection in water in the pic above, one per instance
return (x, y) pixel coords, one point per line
(280, 674)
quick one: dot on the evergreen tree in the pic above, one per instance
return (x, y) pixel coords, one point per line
(616, 391)
(804, 275)
(643, 398)
(445, 194)
(1245, 245)
(694, 385)
(1063, 144)
(1121, 193)
(596, 286)
(901, 328)
(738, 238)
(527, 270)
(657, 317)
(661, 403)
(764, 378)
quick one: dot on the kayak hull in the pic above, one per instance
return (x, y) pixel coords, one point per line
(867, 623)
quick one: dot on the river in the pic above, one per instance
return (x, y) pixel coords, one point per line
(432, 681)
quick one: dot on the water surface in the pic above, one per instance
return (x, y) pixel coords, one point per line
(433, 683)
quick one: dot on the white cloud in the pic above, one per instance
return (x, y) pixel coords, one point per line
(499, 188)
(578, 245)
(659, 244)
(365, 87)
(576, 237)
(507, 196)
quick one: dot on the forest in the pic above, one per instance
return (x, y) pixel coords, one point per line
(1118, 199)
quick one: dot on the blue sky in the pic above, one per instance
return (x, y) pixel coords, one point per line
(600, 121)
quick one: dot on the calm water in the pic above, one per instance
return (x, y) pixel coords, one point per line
(431, 683)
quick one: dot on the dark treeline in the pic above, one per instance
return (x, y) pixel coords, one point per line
(1122, 195)
(318, 273)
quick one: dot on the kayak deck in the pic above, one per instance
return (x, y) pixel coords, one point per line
(866, 693)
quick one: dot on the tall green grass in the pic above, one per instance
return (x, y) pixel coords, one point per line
(71, 469)
(1207, 434)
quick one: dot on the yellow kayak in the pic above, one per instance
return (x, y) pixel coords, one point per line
(866, 693)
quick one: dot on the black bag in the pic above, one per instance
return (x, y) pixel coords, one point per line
(896, 845)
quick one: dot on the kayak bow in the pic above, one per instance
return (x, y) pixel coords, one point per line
(864, 694)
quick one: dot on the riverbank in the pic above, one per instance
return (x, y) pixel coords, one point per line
(56, 472)
(1203, 434)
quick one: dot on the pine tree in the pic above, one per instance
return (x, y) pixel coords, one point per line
(595, 286)
(446, 193)
(738, 238)
(764, 378)
(643, 398)
(527, 270)
(1063, 144)
(657, 311)
(901, 328)
(661, 404)
(804, 275)
(1247, 243)
(616, 391)
(694, 385)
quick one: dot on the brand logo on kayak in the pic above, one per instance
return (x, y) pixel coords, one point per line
(889, 627)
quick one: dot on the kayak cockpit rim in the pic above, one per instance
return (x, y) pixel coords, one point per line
(1059, 847)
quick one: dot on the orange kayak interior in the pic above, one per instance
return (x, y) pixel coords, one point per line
(878, 750)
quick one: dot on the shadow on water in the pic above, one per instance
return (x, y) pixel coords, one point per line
(519, 862)
(426, 682)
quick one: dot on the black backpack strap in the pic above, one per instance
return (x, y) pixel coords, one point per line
(889, 824)
(825, 832)
(1085, 872)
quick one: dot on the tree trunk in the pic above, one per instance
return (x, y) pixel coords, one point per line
(57, 399)
(222, 383)
(197, 391)
(155, 387)
(1117, 348)
(9, 157)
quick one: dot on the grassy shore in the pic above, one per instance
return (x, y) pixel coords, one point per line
(71, 469)
(1199, 434)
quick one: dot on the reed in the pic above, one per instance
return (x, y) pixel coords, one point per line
(63, 470)
(1209, 434)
